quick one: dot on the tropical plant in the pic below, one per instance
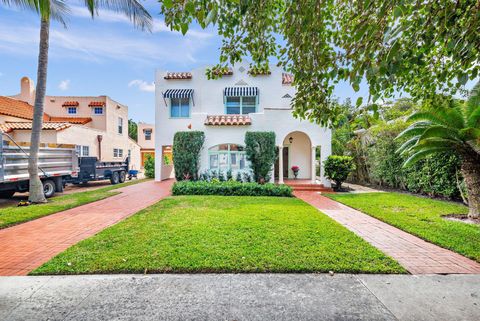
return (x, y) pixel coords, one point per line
(132, 130)
(58, 10)
(453, 126)
(337, 169)
(261, 153)
(149, 166)
(186, 154)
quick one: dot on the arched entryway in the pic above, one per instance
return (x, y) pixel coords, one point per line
(296, 150)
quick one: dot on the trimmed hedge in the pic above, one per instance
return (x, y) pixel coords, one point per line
(230, 188)
(261, 153)
(186, 154)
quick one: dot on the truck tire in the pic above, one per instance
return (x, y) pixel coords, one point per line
(115, 178)
(48, 188)
(7, 194)
(123, 176)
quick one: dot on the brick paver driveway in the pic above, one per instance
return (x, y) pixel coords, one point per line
(27, 246)
(415, 254)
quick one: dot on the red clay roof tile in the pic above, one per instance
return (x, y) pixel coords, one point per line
(228, 120)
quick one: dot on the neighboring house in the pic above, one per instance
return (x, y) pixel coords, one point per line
(146, 140)
(225, 109)
(98, 126)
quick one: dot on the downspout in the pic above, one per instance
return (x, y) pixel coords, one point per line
(99, 138)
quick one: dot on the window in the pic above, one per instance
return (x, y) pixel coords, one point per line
(148, 134)
(85, 151)
(72, 110)
(117, 152)
(227, 157)
(180, 108)
(120, 125)
(82, 150)
(98, 110)
(241, 105)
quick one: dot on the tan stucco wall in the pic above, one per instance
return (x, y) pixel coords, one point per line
(145, 144)
(105, 125)
(4, 118)
(23, 136)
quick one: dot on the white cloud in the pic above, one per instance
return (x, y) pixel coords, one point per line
(142, 85)
(64, 84)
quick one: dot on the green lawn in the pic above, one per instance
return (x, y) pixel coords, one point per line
(15, 215)
(223, 234)
(420, 216)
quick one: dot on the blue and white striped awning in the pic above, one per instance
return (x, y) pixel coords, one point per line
(240, 91)
(178, 93)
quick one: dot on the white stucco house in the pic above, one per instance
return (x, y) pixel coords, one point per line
(225, 109)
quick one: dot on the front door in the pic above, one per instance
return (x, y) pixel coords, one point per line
(285, 162)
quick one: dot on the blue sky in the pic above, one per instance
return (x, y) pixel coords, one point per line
(106, 56)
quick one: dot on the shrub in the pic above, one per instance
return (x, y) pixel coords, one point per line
(261, 153)
(186, 154)
(230, 188)
(149, 166)
(337, 169)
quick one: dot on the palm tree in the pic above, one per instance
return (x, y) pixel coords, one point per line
(456, 128)
(58, 10)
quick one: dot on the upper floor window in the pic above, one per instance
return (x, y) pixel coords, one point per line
(120, 125)
(180, 107)
(148, 134)
(98, 110)
(72, 110)
(241, 105)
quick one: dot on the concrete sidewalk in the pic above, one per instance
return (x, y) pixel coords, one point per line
(241, 297)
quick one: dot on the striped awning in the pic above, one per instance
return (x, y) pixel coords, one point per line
(240, 91)
(178, 93)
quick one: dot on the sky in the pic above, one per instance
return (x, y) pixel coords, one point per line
(106, 56)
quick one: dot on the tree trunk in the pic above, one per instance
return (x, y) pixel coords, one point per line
(471, 174)
(36, 194)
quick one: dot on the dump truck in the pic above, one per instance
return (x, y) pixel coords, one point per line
(58, 165)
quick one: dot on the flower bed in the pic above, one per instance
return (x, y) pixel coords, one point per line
(230, 188)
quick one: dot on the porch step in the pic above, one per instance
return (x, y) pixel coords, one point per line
(309, 187)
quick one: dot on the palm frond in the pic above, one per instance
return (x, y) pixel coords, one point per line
(474, 118)
(470, 133)
(131, 8)
(422, 154)
(408, 144)
(436, 118)
(413, 130)
(473, 101)
(440, 131)
(436, 143)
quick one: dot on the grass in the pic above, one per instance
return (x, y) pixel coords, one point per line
(223, 234)
(14, 215)
(420, 216)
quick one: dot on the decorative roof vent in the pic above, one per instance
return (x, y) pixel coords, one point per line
(241, 69)
(286, 96)
(241, 83)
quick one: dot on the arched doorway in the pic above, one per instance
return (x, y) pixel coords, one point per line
(296, 151)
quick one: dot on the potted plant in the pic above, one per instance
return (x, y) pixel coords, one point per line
(295, 170)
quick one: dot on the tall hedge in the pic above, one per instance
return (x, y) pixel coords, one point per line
(186, 154)
(260, 151)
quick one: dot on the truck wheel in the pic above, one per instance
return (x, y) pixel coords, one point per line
(115, 178)
(123, 176)
(6, 194)
(48, 188)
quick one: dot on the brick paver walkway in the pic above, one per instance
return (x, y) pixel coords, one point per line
(413, 253)
(27, 246)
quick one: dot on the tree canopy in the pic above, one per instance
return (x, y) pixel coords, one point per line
(421, 48)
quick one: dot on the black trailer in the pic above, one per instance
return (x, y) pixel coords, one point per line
(90, 169)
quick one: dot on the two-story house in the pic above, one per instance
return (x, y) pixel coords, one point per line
(225, 109)
(97, 125)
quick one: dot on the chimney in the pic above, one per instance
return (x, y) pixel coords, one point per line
(27, 91)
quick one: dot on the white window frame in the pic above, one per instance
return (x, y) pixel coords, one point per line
(94, 111)
(228, 153)
(189, 108)
(120, 126)
(145, 134)
(69, 109)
